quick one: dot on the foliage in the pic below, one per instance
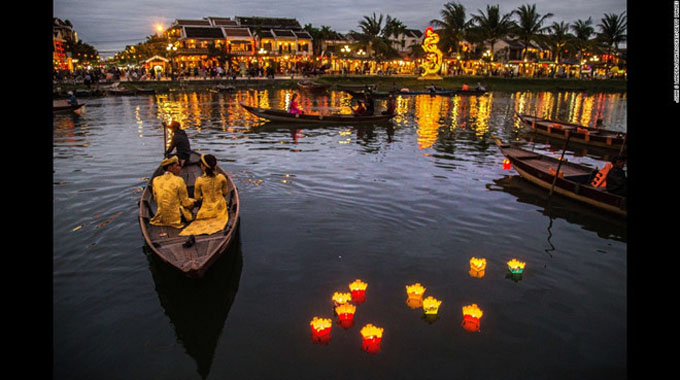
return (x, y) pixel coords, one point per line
(452, 28)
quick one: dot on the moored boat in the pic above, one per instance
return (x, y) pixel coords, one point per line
(573, 180)
(121, 91)
(167, 244)
(285, 116)
(438, 91)
(597, 137)
(311, 86)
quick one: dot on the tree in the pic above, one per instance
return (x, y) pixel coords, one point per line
(492, 26)
(613, 30)
(452, 27)
(529, 25)
(319, 36)
(376, 37)
(582, 33)
(559, 36)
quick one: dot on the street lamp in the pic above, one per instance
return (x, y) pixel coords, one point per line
(171, 48)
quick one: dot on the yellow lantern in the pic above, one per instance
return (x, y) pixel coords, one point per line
(431, 305)
(415, 290)
(477, 267)
(515, 266)
(345, 314)
(340, 298)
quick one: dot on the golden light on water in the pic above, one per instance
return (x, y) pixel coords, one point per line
(358, 285)
(345, 308)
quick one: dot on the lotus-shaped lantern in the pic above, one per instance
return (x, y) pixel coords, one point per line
(515, 266)
(371, 337)
(477, 267)
(321, 329)
(340, 298)
(358, 290)
(415, 290)
(431, 305)
(345, 314)
(471, 315)
(506, 164)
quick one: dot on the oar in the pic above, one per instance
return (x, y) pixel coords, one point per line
(165, 138)
(557, 172)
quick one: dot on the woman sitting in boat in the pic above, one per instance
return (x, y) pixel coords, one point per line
(293, 107)
(172, 198)
(209, 189)
(391, 106)
(360, 110)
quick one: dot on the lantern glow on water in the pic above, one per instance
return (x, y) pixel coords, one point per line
(340, 298)
(358, 290)
(477, 267)
(345, 314)
(431, 305)
(515, 266)
(321, 329)
(471, 315)
(371, 337)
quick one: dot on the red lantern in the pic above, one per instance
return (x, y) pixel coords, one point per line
(358, 290)
(470, 323)
(506, 164)
(345, 314)
(321, 330)
(371, 337)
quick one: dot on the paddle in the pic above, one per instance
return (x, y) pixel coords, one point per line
(557, 172)
(165, 138)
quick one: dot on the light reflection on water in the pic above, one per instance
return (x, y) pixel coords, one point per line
(407, 201)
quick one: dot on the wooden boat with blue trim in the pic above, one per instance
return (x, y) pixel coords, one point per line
(311, 86)
(573, 181)
(167, 244)
(287, 117)
(596, 137)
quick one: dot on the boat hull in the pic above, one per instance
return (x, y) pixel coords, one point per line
(286, 117)
(167, 244)
(578, 134)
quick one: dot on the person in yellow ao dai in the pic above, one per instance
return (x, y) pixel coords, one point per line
(170, 194)
(211, 189)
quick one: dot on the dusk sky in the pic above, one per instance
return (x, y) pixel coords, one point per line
(111, 25)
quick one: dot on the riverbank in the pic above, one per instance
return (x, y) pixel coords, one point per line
(383, 82)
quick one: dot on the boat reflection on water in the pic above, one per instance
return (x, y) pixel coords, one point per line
(604, 224)
(198, 308)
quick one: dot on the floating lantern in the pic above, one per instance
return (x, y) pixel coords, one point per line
(477, 267)
(415, 295)
(431, 305)
(321, 329)
(515, 266)
(345, 314)
(415, 290)
(340, 298)
(506, 164)
(358, 290)
(371, 337)
(471, 315)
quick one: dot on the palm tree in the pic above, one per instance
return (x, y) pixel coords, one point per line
(583, 30)
(492, 26)
(452, 27)
(376, 37)
(613, 30)
(559, 36)
(530, 25)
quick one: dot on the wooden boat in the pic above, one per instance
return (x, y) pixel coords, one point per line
(140, 90)
(166, 242)
(121, 91)
(573, 181)
(285, 116)
(60, 109)
(311, 86)
(596, 137)
(357, 87)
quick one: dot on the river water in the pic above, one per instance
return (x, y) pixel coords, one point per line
(409, 201)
